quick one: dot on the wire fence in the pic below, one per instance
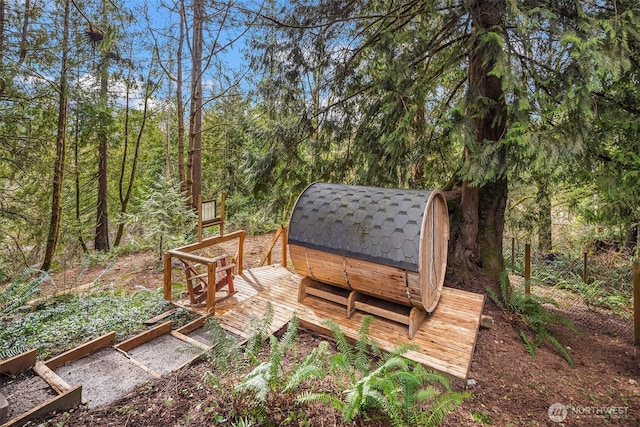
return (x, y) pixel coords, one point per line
(594, 290)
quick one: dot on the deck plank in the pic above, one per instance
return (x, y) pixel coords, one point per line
(446, 340)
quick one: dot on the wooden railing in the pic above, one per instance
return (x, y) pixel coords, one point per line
(185, 253)
(280, 234)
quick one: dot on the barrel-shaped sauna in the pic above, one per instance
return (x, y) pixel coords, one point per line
(390, 244)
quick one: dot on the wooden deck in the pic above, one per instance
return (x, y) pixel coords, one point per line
(446, 339)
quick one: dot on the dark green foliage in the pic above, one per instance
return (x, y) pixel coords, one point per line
(538, 319)
(225, 350)
(165, 219)
(404, 390)
(21, 290)
(258, 334)
(63, 322)
(270, 375)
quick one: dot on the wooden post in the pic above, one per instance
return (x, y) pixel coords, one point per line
(223, 197)
(527, 268)
(240, 252)
(167, 276)
(513, 253)
(199, 217)
(584, 268)
(636, 302)
(211, 288)
(285, 233)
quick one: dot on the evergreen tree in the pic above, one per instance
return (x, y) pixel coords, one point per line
(418, 83)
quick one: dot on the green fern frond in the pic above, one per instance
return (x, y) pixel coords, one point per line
(505, 288)
(325, 398)
(400, 350)
(225, 351)
(275, 361)
(561, 348)
(257, 381)
(432, 377)
(258, 333)
(362, 360)
(22, 290)
(443, 405)
(341, 340)
(564, 321)
(289, 339)
(528, 344)
(427, 394)
(14, 351)
(439, 409)
(494, 297)
(302, 374)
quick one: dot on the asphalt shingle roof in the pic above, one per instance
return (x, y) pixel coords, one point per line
(380, 225)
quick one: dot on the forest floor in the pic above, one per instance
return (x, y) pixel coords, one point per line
(509, 386)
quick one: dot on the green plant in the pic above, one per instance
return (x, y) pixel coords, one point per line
(404, 390)
(65, 321)
(480, 417)
(270, 375)
(534, 316)
(225, 351)
(165, 216)
(21, 290)
(258, 333)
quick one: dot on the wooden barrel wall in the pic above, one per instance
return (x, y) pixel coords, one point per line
(387, 243)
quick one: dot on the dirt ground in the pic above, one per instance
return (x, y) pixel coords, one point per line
(509, 386)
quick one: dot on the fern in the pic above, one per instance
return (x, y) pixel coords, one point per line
(13, 351)
(311, 366)
(270, 375)
(536, 317)
(438, 410)
(21, 290)
(342, 342)
(325, 398)
(225, 351)
(528, 344)
(258, 333)
(561, 348)
(362, 358)
(257, 381)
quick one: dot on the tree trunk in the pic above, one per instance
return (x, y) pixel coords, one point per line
(102, 218)
(478, 218)
(195, 115)
(2, 9)
(179, 105)
(76, 167)
(125, 196)
(167, 161)
(543, 203)
(24, 33)
(61, 138)
(123, 164)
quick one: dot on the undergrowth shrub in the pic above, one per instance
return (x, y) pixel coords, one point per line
(405, 391)
(165, 218)
(63, 322)
(534, 316)
(609, 282)
(359, 380)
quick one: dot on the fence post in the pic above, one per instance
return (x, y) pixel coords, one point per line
(584, 266)
(636, 303)
(527, 268)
